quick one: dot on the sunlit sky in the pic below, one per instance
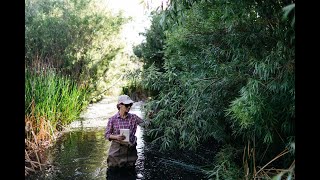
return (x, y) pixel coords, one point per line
(137, 9)
(130, 7)
(134, 7)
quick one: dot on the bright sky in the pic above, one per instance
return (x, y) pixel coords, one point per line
(134, 7)
(137, 9)
(130, 7)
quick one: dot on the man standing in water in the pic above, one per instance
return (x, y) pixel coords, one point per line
(122, 154)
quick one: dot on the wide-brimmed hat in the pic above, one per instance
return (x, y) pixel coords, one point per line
(125, 99)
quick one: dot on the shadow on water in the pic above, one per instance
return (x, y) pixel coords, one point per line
(123, 173)
(82, 154)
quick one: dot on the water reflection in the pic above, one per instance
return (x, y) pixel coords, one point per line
(78, 155)
(82, 154)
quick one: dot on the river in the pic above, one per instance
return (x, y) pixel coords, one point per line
(81, 152)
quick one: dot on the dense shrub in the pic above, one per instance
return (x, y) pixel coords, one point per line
(227, 73)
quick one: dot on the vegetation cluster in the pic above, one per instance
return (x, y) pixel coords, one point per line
(69, 46)
(224, 70)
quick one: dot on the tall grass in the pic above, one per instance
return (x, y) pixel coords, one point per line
(56, 97)
(51, 102)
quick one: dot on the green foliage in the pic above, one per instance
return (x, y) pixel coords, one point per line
(202, 88)
(228, 73)
(74, 41)
(134, 88)
(288, 11)
(55, 97)
(225, 166)
(186, 110)
(76, 37)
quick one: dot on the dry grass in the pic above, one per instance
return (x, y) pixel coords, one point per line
(264, 172)
(39, 135)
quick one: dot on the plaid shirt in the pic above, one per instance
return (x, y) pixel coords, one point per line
(116, 123)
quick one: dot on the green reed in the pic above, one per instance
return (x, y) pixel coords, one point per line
(55, 97)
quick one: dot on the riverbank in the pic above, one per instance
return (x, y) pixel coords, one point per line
(94, 118)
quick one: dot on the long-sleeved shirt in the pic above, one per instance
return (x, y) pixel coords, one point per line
(116, 123)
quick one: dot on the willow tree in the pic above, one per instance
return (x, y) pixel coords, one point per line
(229, 76)
(77, 37)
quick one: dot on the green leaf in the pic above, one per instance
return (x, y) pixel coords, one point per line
(287, 9)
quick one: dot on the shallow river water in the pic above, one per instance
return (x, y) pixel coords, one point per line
(81, 152)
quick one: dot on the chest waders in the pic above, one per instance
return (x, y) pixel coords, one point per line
(121, 155)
